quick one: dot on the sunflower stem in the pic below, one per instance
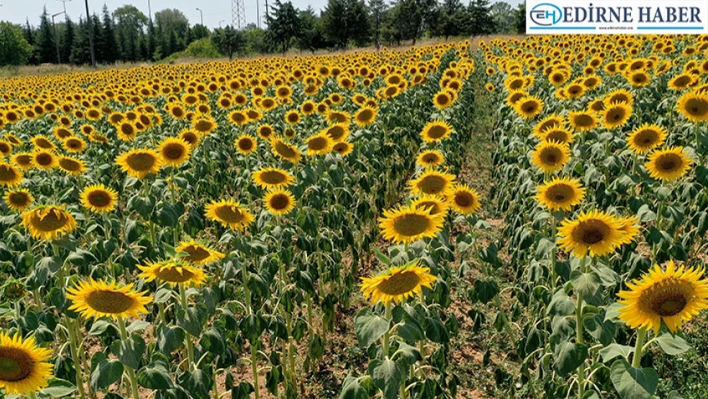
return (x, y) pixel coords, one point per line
(73, 346)
(507, 324)
(387, 336)
(639, 347)
(554, 251)
(187, 337)
(254, 368)
(131, 372)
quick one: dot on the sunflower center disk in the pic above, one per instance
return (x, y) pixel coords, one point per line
(174, 151)
(141, 162)
(411, 225)
(667, 298)
(50, 221)
(172, 275)
(591, 232)
(398, 284)
(99, 199)
(7, 174)
(432, 184)
(229, 214)
(697, 107)
(551, 156)
(284, 150)
(647, 137)
(279, 202)
(464, 199)
(669, 162)
(15, 364)
(559, 193)
(436, 132)
(110, 302)
(317, 143)
(272, 177)
(196, 254)
(44, 159)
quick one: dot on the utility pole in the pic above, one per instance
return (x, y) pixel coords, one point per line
(149, 11)
(56, 35)
(266, 1)
(66, 16)
(258, 13)
(201, 14)
(90, 31)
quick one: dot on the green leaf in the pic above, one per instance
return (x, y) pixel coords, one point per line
(192, 319)
(369, 327)
(486, 290)
(408, 326)
(104, 372)
(633, 383)
(58, 388)
(169, 339)
(129, 351)
(155, 376)
(352, 389)
(387, 376)
(613, 350)
(561, 304)
(381, 257)
(587, 284)
(672, 344)
(568, 356)
(99, 327)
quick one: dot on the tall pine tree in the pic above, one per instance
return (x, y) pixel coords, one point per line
(46, 44)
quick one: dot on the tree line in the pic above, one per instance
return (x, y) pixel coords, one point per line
(128, 35)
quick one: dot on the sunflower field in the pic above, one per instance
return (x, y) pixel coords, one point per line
(515, 218)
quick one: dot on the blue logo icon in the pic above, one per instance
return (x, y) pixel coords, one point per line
(546, 14)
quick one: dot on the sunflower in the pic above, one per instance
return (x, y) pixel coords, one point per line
(667, 297)
(619, 96)
(71, 166)
(99, 198)
(198, 253)
(279, 202)
(433, 183)
(204, 125)
(5, 148)
(343, 148)
(645, 138)
(464, 200)
(559, 135)
(229, 213)
(265, 131)
(616, 115)
(397, 283)
(528, 107)
(365, 116)
(430, 158)
(668, 163)
(694, 106)
(99, 298)
(24, 366)
(548, 122)
(560, 194)
(44, 159)
(43, 142)
(319, 144)
(432, 204)
(10, 175)
(292, 117)
(629, 226)
(246, 144)
(441, 100)
(174, 272)
(435, 131)
(550, 156)
(74, 144)
(18, 200)
(407, 224)
(48, 222)
(138, 163)
(582, 120)
(174, 151)
(272, 178)
(596, 232)
(127, 131)
(338, 132)
(284, 150)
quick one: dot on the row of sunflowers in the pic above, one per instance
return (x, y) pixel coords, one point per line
(601, 157)
(210, 230)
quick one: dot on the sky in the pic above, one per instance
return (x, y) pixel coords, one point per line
(215, 11)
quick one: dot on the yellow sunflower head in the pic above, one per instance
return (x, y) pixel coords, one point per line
(596, 232)
(285, 151)
(337, 132)
(430, 158)
(668, 164)
(408, 224)
(435, 131)
(464, 200)
(550, 156)
(616, 115)
(72, 166)
(24, 366)
(246, 144)
(667, 297)
(560, 194)
(431, 203)
(99, 298)
(528, 107)
(23, 160)
(198, 253)
(319, 144)
(694, 106)
(173, 272)
(174, 151)
(546, 123)
(582, 120)
(10, 175)
(18, 200)
(44, 159)
(279, 202)
(48, 222)
(433, 183)
(365, 116)
(229, 213)
(397, 283)
(343, 148)
(99, 198)
(272, 178)
(645, 138)
(140, 162)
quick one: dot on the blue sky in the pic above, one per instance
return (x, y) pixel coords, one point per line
(214, 10)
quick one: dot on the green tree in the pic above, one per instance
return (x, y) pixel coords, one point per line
(520, 18)
(256, 42)
(229, 41)
(46, 47)
(377, 9)
(504, 17)
(66, 39)
(311, 31)
(173, 28)
(14, 49)
(346, 20)
(283, 25)
(199, 32)
(129, 27)
(81, 51)
(481, 21)
(110, 52)
(29, 35)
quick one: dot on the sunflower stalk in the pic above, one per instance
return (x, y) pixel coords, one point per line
(131, 373)
(579, 330)
(73, 346)
(639, 347)
(187, 337)
(387, 335)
